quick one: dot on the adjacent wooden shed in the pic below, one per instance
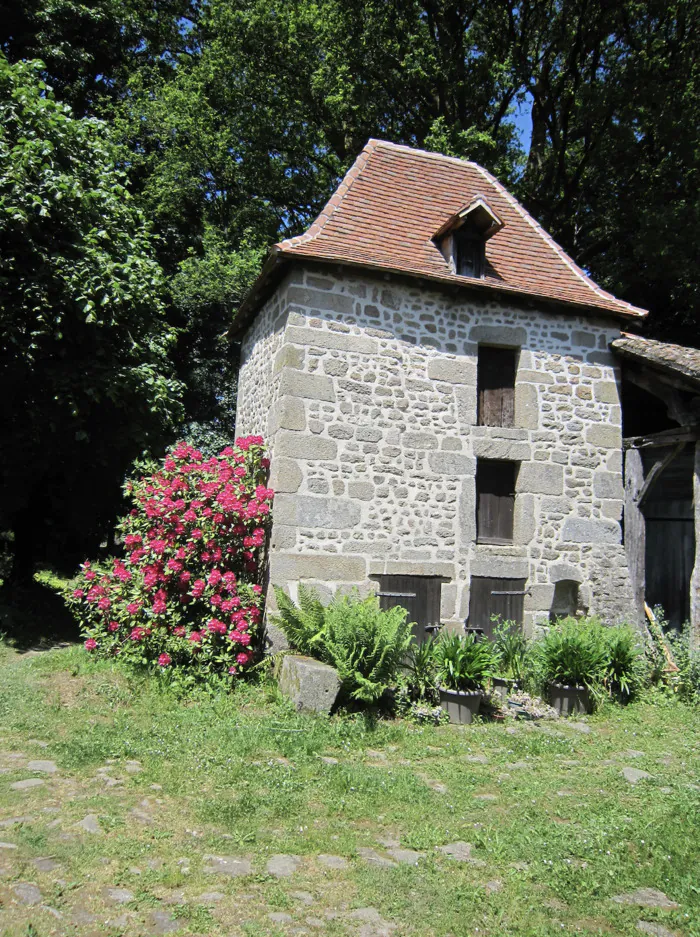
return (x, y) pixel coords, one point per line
(661, 443)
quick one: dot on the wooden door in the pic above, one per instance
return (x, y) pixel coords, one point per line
(495, 500)
(419, 595)
(489, 596)
(495, 381)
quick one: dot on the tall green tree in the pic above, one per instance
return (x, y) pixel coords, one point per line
(85, 375)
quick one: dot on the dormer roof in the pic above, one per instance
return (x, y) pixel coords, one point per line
(392, 203)
(478, 214)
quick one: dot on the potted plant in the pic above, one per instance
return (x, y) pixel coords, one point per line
(573, 656)
(464, 664)
(510, 649)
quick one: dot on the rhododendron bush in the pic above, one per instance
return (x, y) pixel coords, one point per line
(187, 591)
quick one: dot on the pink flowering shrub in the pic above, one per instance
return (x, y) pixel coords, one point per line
(187, 591)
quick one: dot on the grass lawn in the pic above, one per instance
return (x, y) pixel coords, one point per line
(155, 815)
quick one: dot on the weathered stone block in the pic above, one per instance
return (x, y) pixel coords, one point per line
(288, 357)
(309, 684)
(427, 567)
(602, 434)
(285, 475)
(467, 510)
(310, 386)
(561, 571)
(465, 398)
(486, 447)
(333, 302)
(324, 338)
(586, 339)
(286, 413)
(452, 370)
(304, 446)
(527, 408)
(512, 336)
(607, 392)
(524, 519)
(590, 530)
(364, 491)
(500, 567)
(419, 441)
(368, 434)
(283, 538)
(292, 567)
(309, 511)
(451, 463)
(335, 367)
(545, 478)
(607, 485)
(532, 377)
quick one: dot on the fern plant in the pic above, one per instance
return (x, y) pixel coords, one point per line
(463, 662)
(510, 649)
(303, 625)
(366, 645)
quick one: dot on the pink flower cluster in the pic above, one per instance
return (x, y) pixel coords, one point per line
(186, 591)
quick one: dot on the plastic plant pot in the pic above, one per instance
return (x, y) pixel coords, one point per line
(460, 705)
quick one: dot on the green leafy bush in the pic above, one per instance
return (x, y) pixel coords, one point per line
(417, 697)
(625, 667)
(510, 648)
(687, 682)
(573, 653)
(584, 652)
(463, 662)
(365, 644)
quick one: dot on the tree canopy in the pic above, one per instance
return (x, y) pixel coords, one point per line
(234, 120)
(85, 376)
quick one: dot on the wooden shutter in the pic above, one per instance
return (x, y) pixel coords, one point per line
(495, 500)
(495, 381)
(419, 595)
(489, 596)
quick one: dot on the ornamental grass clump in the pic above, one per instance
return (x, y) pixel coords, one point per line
(187, 591)
(463, 662)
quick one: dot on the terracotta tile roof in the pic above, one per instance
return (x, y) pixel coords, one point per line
(394, 199)
(679, 360)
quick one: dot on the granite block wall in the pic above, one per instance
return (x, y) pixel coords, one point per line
(365, 388)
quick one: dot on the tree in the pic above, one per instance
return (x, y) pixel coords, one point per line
(85, 377)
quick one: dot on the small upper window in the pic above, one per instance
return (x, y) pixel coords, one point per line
(463, 236)
(468, 253)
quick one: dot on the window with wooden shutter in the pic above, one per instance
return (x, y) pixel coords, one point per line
(495, 500)
(495, 381)
(419, 595)
(489, 597)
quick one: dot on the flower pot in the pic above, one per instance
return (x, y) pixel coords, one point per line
(502, 686)
(460, 705)
(569, 700)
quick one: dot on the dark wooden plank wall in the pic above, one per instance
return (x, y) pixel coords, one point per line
(487, 598)
(670, 536)
(423, 609)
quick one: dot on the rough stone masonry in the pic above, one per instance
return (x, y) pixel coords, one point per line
(364, 387)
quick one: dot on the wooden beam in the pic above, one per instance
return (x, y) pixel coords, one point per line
(667, 437)
(656, 470)
(668, 389)
(635, 532)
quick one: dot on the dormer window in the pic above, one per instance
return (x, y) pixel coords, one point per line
(468, 253)
(463, 237)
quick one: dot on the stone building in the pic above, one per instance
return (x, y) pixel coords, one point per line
(434, 379)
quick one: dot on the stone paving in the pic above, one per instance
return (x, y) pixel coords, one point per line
(140, 900)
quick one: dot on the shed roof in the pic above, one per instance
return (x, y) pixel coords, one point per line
(386, 212)
(678, 360)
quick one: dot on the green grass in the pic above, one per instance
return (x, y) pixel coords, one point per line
(241, 774)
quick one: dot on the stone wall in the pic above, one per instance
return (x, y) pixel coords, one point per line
(369, 389)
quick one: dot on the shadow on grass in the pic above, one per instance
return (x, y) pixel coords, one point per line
(35, 618)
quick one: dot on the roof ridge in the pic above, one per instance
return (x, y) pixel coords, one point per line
(550, 242)
(334, 202)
